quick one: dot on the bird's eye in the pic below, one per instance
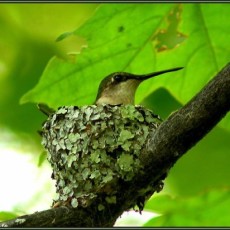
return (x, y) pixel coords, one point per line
(118, 78)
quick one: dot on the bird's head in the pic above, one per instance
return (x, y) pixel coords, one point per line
(120, 87)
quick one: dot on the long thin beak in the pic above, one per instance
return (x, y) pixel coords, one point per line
(150, 75)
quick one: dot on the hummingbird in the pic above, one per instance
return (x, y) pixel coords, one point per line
(120, 87)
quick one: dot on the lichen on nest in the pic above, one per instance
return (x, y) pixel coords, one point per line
(91, 147)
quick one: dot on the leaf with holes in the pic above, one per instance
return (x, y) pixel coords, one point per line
(141, 38)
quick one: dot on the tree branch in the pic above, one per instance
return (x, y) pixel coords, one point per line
(175, 136)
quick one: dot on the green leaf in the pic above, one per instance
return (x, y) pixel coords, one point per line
(202, 167)
(141, 38)
(7, 215)
(208, 209)
(117, 35)
(203, 53)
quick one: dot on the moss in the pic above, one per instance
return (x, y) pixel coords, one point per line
(91, 147)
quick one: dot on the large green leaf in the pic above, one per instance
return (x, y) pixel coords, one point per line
(205, 51)
(208, 209)
(141, 38)
(118, 35)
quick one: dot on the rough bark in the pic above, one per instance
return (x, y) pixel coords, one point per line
(175, 136)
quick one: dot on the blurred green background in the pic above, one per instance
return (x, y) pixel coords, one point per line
(198, 181)
(28, 34)
(27, 42)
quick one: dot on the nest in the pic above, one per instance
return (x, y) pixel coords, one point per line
(91, 147)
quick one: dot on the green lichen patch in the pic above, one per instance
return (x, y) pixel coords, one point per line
(91, 147)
